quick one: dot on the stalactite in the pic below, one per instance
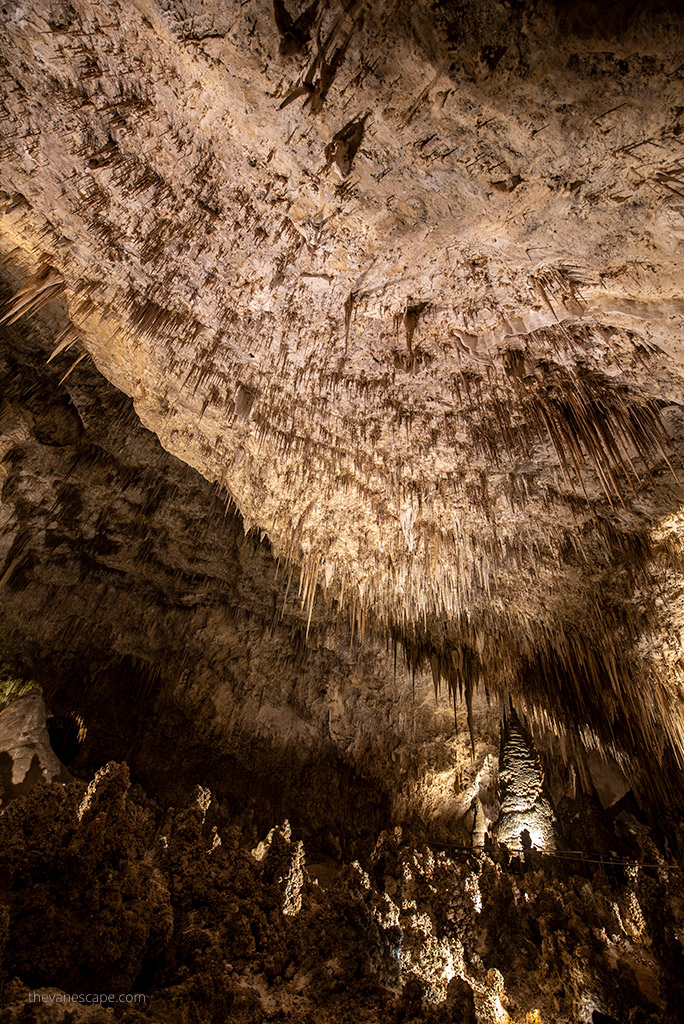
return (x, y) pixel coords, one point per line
(517, 452)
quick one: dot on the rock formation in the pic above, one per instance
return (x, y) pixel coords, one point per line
(169, 904)
(25, 752)
(341, 359)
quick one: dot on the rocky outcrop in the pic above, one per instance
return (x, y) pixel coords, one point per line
(26, 756)
(173, 907)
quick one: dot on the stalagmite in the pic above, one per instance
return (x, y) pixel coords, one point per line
(340, 409)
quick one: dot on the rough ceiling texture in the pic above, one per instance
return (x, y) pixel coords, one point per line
(404, 281)
(136, 602)
(341, 357)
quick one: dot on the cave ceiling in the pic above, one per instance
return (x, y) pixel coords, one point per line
(403, 281)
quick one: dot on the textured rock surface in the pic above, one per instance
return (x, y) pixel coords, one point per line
(26, 757)
(169, 906)
(137, 603)
(399, 284)
(405, 282)
(524, 805)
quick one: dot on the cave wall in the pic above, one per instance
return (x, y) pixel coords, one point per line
(404, 282)
(131, 594)
(340, 382)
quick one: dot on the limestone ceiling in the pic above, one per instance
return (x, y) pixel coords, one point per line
(404, 280)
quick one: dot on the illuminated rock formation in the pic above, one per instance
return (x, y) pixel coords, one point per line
(404, 283)
(341, 380)
(524, 806)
